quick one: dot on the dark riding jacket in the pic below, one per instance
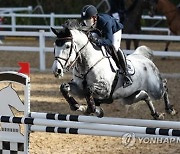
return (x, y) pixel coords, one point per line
(107, 26)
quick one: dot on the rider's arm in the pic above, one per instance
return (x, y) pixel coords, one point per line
(108, 35)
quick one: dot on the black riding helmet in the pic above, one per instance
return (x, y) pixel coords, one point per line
(88, 11)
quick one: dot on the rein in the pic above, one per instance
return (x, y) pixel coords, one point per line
(85, 75)
(78, 55)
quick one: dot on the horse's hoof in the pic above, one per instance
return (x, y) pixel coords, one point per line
(159, 116)
(172, 111)
(99, 112)
(82, 108)
(74, 107)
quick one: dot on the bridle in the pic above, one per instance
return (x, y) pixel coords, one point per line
(78, 53)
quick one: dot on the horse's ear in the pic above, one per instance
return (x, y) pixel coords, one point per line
(54, 31)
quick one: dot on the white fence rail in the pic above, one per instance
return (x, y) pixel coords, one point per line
(15, 9)
(42, 49)
(52, 17)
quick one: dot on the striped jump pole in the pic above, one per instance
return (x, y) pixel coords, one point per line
(91, 126)
(63, 130)
(107, 120)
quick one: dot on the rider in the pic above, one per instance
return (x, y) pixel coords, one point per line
(111, 36)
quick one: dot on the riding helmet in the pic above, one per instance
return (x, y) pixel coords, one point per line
(88, 11)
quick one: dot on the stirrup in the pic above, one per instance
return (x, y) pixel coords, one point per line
(127, 81)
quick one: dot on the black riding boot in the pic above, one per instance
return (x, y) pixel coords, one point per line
(127, 81)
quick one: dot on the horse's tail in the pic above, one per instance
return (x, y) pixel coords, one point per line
(145, 51)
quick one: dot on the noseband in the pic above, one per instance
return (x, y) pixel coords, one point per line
(58, 58)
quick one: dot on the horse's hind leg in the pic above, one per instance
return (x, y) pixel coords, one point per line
(143, 95)
(155, 114)
(168, 107)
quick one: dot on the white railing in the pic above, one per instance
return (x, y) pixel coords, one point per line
(13, 26)
(15, 9)
(42, 48)
(52, 17)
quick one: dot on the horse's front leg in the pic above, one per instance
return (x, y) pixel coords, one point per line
(98, 90)
(91, 107)
(65, 89)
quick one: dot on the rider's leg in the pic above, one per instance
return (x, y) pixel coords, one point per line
(123, 65)
(121, 58)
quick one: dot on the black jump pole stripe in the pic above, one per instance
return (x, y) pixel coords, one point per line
(175, 132)
(62, 117)
(5, 119)
(164, 132)
(73, 118)
(150, 130)
(17, 120)
(50, 116)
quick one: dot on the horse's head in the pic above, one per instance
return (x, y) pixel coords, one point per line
(67, 48)
(64, 52)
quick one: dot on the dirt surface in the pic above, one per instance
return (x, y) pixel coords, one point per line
(45, 97)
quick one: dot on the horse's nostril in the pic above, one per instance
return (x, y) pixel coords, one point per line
(59, 71)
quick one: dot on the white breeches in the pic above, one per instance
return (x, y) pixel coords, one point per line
(117, 39)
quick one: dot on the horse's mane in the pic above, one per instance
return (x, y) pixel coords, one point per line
(72, 24)
(69, 24)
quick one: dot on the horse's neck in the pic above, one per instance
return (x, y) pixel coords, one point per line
(89, 57)
(167, 8)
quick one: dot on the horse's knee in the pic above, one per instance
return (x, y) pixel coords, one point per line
(64, 88)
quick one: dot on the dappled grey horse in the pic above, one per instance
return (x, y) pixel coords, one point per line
(97, 79)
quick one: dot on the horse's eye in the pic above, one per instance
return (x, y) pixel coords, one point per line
(58, 43)
(67, 47)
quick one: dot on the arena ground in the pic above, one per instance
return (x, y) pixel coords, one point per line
(45, 97)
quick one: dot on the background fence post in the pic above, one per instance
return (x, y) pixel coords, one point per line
(13, 22)
(52, 20)
(42, 51)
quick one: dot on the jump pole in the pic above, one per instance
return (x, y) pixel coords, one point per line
(63, 130)
(107, 120)
(90, 126)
